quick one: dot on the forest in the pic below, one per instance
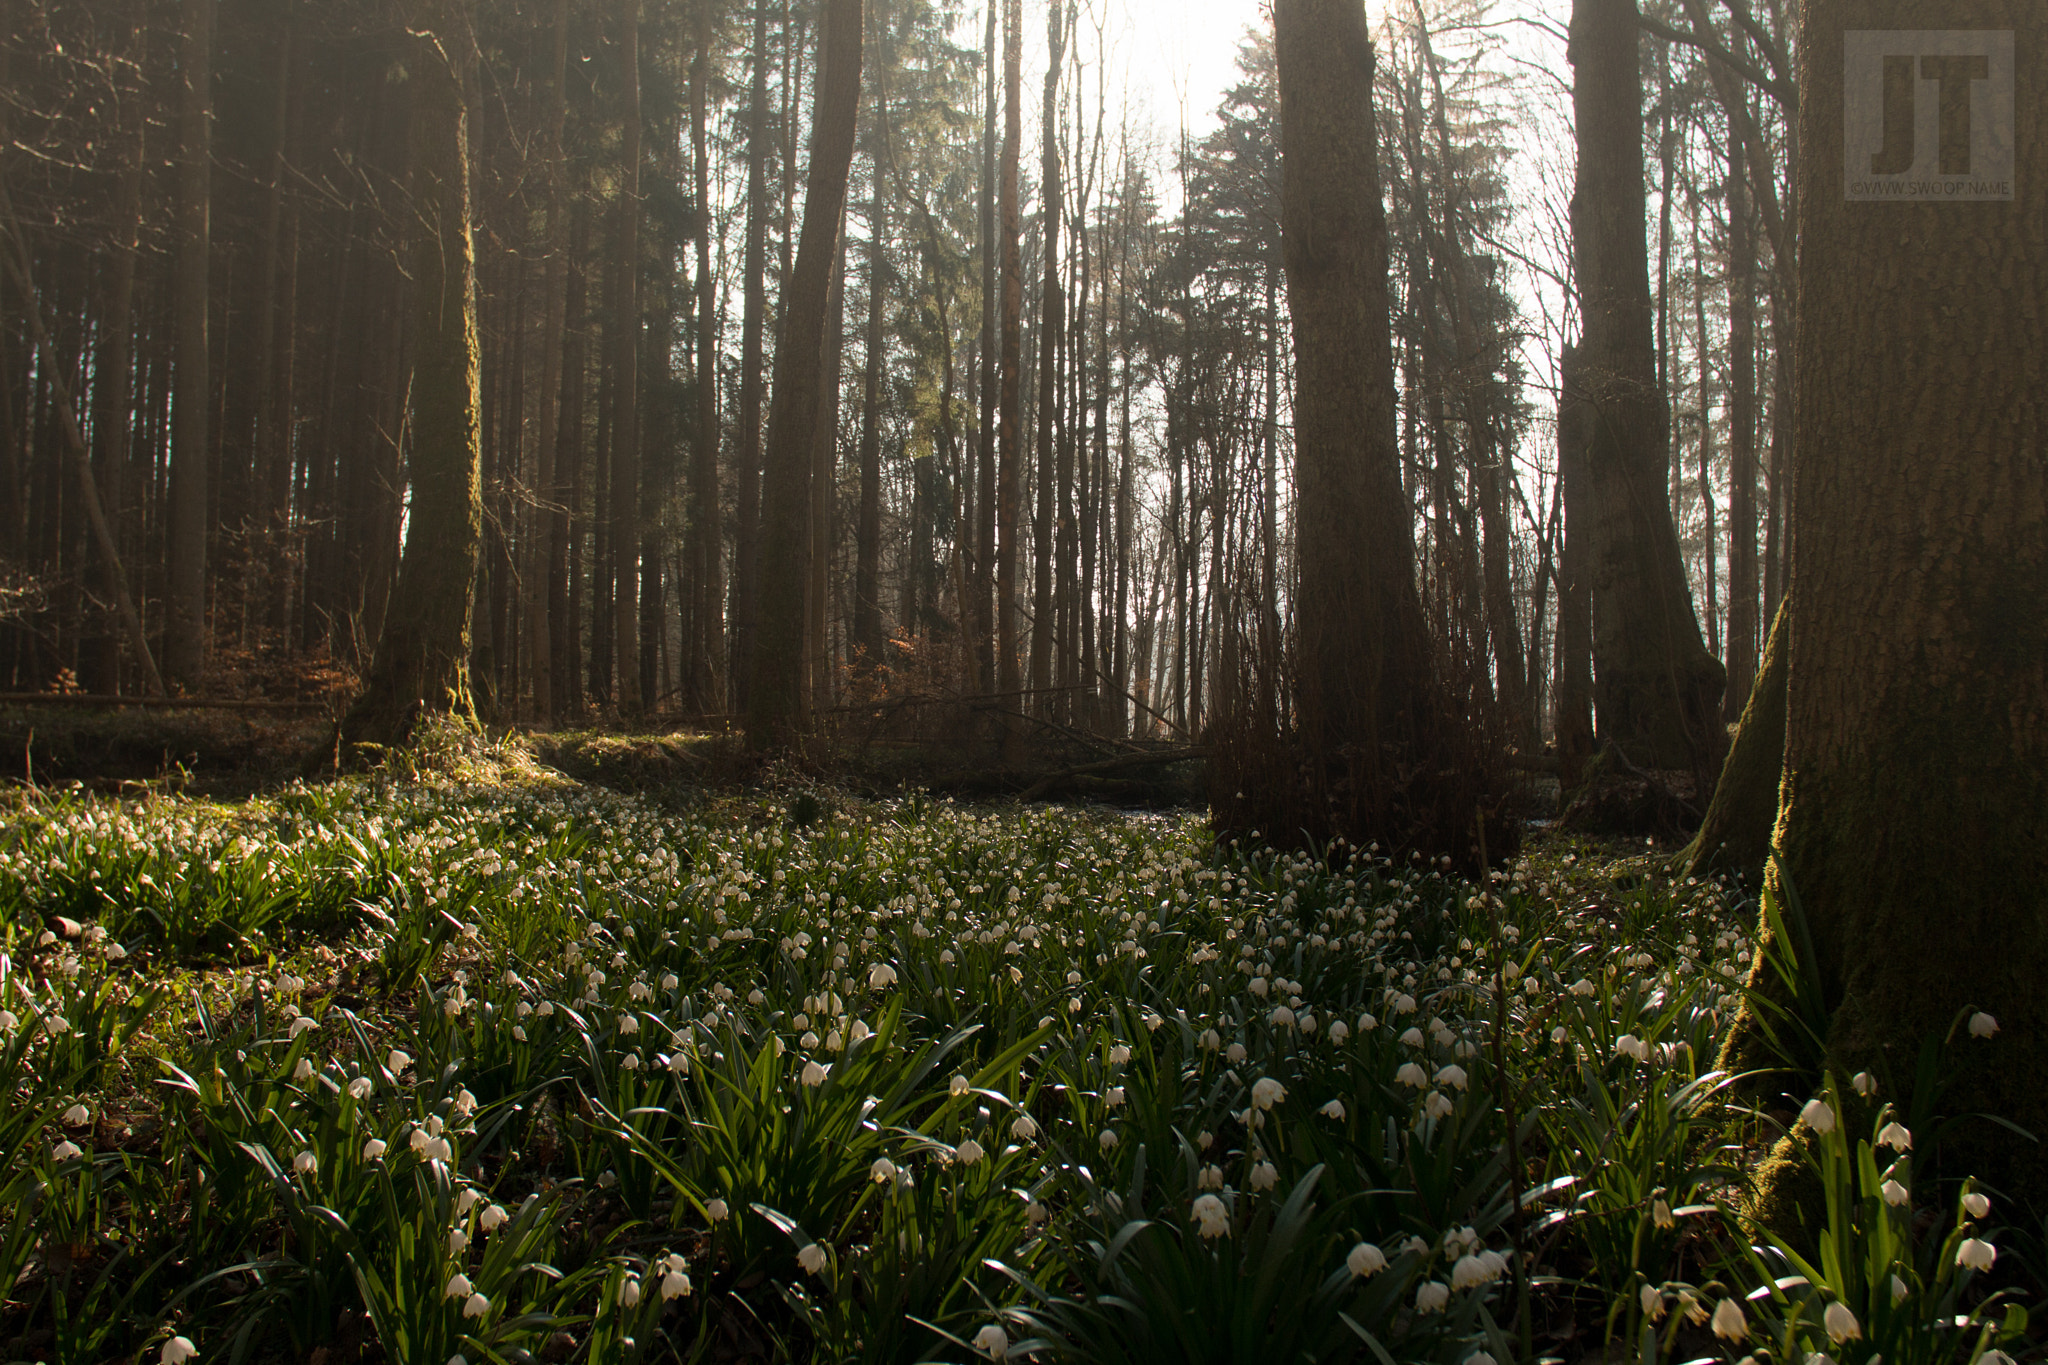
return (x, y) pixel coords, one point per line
(871, 680)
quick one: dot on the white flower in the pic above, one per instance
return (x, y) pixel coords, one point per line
(881, 976)
(1452, 1076)
(65, 1151)
(1976, 1254)
(992, 1342)
(475, 1306)
(304, 1023)
(717, 1211)
(1899, 1290)
(1211, 1040)
(1977, 1204)
(968, 1152)
(458, 1287)
(1119, 1054)
(1366, 1259)
(628, 1024)
(1024, 1128)
(178, 1350)
(1210, 1177)
(1412, 1074)
(629, 1291)
(811, 1258)
(1259, 986)
(1895, 1194)
(1108, 1138)
(492, 1218)
(674, 1285)
(1211, 1215)
(77, 1116)
(1652, 1300)
(360, 1088)
(1113, 1097)
(1412, 1038)
(1628, 1045)
(1339, 1032)
(1896, 1137)
(814, 1074)
(458, 1241)
(1841, 1323)
(304, 1070)
(1818, 1116)
(958, 1086)
(1469, 1273)
(882, 1171)
(375, 1148)
(397, 1062)
(1819, 1358)
(305, 1163)
(1267, 1092)
(1264, 1176)
(1234, 1054)
(1333, 1110)
(1729, 1322)
(1982, 1025)
(1281, 1017)
(1438, 1105)
(1431, 1296)
(1660, 1213)
(1865, 1084)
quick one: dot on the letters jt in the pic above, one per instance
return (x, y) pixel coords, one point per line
(1953, 75)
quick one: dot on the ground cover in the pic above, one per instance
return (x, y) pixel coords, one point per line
(437, 1067)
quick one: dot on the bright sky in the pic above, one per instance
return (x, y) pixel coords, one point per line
(1177, 51)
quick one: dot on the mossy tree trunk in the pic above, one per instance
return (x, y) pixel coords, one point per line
(1735, 836)
(1916, 735)
(422, 662)
(1657, 689)
(776, 710)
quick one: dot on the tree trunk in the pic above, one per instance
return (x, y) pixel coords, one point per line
(1658, 689)
(1916, 730)
(625, 473)
(1365, 697)
(746, 554)
(185, 629)
(1051, 328)
(1736, 833)
(422, 660)
(1742, 576)
(867, 571)
(704, 653)
(776, 715)
(1010, 472)
(983, 616)
(1573, 724)
(542, 589)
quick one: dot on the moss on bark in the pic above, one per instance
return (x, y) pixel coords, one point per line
(1735, 835)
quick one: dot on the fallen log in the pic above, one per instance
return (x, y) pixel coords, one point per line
(1110, 765)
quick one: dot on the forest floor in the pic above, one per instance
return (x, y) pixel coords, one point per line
(559, 1048)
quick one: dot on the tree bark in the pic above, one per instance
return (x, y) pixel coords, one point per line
(541, 590)
(1658, 689)
(1736, 831)
(185, 629)
(625, 472)
(776, 715)
(704, 653)
(1010, 415)
(1046, 424)
(1916, 730)
(1365, 696)
(421, 665)
(747, 439)
(1742, 566)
